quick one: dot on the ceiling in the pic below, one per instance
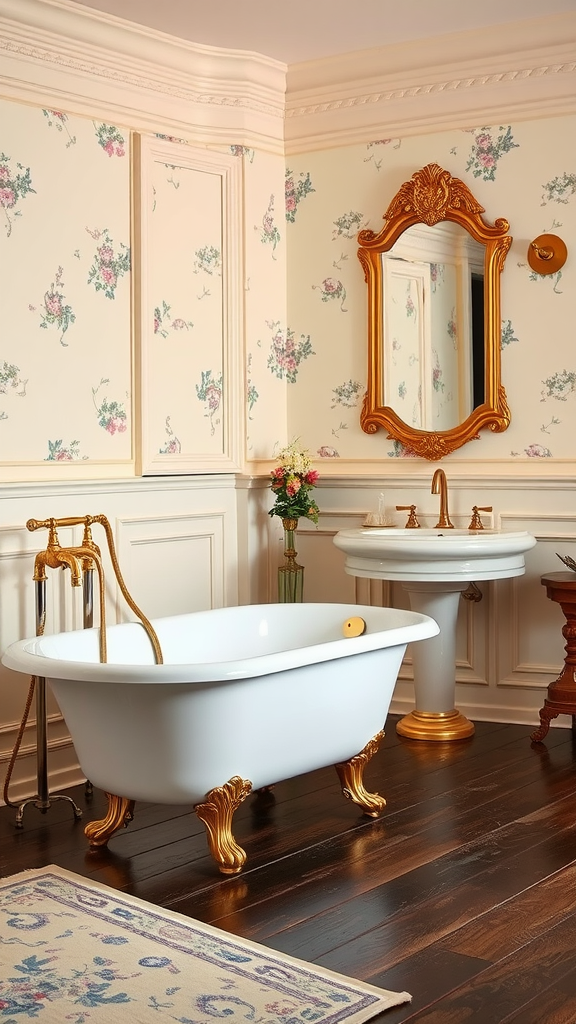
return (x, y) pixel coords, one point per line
(310, 29)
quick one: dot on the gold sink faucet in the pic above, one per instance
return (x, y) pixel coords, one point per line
(440, 486)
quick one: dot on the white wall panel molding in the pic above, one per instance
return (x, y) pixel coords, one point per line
(472, 651)
(382, 471)
(530, 650)
(58, 738)
(172, 564)
(206, 214)
(546, 526)
(461, 80)
(93, 63)
(54, 497)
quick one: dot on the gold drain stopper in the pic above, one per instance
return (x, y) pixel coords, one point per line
(354, 626)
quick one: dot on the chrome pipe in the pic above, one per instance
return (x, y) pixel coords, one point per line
(43, 799)
(88, 597)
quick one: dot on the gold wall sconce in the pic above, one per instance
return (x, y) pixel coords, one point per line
(547, 254)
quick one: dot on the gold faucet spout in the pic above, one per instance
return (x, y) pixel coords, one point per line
(440, 486)
(55, 556)
(68, 560)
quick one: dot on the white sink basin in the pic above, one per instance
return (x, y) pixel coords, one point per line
(436, 555)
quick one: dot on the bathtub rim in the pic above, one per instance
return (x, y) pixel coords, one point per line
(23, 656)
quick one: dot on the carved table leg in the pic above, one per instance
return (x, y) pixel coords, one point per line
(546, 716)
(561, 694)
(120, 813)
(351, 775)
(216, 812)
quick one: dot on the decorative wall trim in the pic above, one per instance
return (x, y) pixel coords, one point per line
(223, 348)
(90, 62)
(190, 549)
(385, 471)
(349, 99)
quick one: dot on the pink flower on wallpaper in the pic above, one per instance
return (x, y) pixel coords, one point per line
(111, 414)
(487, 151)
(15, 185)
(109, 264)
(295, 192)
(53, 304)
(172, 446)
(486, 160)
(115, 424)
(105, 253)
(331, 288)
(286, 353)
(56, 314)
(210, 392)
(108, 276)
(110, 139)
(213, 396)
(59, 452)
(7, 197)
(163, 320)
(331, 285)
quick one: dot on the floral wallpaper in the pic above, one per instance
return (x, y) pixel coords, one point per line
(65, 249)
(66, 342)
(183, 332)
(274, 353)
(65, 384)
(525, 172)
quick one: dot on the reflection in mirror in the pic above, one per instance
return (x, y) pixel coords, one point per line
(433, 297)
(433, 276)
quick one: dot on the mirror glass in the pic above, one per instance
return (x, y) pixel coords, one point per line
(433, 329)
(433, 276)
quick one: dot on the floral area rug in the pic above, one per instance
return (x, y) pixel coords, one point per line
(76, 952)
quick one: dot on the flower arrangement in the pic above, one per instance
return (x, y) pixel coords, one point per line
(292, 480)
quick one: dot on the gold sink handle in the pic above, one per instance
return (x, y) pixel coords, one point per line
(476, 521)
(412, 522)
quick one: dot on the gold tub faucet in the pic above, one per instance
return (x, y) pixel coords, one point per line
(440, 486)
(74, 558)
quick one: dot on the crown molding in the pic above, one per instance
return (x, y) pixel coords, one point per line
(525, 70)
(55, 51)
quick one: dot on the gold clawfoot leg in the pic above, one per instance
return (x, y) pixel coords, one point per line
(216, 813)
(120, 813)
(351, 774)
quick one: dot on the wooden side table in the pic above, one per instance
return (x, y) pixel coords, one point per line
(561, 699)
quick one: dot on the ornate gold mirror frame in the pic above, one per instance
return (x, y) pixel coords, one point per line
(433, 195)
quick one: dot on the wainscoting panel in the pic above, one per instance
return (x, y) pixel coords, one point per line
(175, 564)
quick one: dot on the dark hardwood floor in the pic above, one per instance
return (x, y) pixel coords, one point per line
(462, 893)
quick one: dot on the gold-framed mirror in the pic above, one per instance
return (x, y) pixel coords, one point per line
(434, 322)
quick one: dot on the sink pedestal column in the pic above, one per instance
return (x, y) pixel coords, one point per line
(434, 661)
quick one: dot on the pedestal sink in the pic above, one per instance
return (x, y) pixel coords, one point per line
(435, 566)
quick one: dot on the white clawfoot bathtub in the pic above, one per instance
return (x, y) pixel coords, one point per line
(246, 697)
